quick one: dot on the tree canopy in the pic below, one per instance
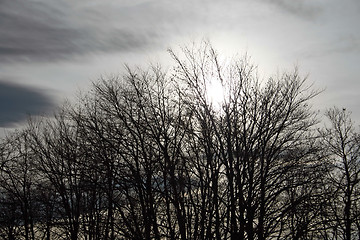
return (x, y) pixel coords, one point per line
(150, 155)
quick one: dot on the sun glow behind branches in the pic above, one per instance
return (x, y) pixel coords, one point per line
(215, 93)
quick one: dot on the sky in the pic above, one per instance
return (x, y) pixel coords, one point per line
(50, 50)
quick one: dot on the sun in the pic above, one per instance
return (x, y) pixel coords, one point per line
(215, 92)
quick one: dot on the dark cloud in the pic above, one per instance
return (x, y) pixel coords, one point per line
(18, 102)
(53, 30)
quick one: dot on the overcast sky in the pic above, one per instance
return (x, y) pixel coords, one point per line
(50, 49)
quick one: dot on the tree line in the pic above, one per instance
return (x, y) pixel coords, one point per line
(150, 155)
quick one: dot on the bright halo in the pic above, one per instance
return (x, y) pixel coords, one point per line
(215, 92)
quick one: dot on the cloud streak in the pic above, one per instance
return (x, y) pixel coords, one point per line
(48, 31)
(302, 8)
(17, 102)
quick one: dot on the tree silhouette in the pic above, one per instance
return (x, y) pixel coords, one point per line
(150, 155)
(344, 150)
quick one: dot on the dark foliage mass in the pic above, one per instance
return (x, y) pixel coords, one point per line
(150, 155)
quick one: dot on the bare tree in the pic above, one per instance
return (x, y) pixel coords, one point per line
(264, 132)
(342, 143)
(151, 155)
(18, 181)
(59, 159)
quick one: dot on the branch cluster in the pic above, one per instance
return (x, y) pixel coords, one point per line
(149, 155)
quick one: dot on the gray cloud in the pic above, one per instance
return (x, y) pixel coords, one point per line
(53, 30)
(49, 30)
(343, 45)
(303, 8)
(30, 29)
(17, 102)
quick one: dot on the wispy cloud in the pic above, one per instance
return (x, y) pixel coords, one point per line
(308, 9)
(49, 30)
(343, 45)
